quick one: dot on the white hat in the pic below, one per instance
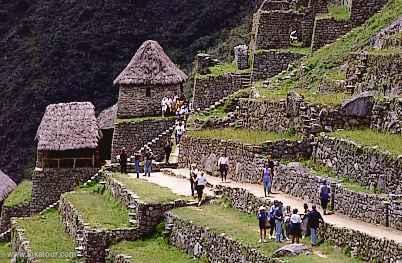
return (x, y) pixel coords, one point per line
(261, 208)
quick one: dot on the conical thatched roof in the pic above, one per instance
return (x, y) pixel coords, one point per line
(6, 186)
(107, 117)
(68, 126)
(150, 66)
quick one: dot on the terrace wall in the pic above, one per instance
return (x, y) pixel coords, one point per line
(387, 116)
(245, 161)
(48, 184)
(210, 89)
(327, 30)
(366, 165)
(133, 136)
(268, 63)
(20, 244)
(21, 210)
(361, 10)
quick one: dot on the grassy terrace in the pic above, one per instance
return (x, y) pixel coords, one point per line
(21, 195)
(99, 210)
(325, 171)
(155, 250)
(384, 141)
(141, 119)
(299, 50)
(146, 191)
(243, 135)
(244, 227)
(338, 12)
(221, 69)
(5, 251)
(46, 234)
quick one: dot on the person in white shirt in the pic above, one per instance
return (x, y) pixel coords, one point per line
(295, 226)
(169, 103)
(200, 183)
(223, 164)
(164, 106)
(180, 129)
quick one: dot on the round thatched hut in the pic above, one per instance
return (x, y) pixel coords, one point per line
(149, 77)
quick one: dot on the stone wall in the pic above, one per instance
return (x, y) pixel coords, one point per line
(300, 182)
(210, 89)
(361, 10)
(387, 116)
(48, 184)
(20, 244)
(366, 165)
(245, 161)
(268, 63)
(134, 102)
(22, 210)
(327, 30)
(199, 242)
(134, 135)
(377, 71)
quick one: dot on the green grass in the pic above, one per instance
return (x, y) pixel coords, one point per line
(99, 210)
(21, 195)
(325, 171)
(299, 50)
(221, 218)
(391, 51)
(243, 135)
(338, 12)
(142, 119)
(384, 141)
(329, 98)
(5, 251)
(146, 191)
(336, 74)
(46, 234)
(221, 69)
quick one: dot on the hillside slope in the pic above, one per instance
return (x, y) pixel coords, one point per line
(60, 51)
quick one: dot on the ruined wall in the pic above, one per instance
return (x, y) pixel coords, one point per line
(134, 102)
(22, 210)
(20, 244)
(210, 89)
(387, 116)
(268, 63)
(48, 184)
(361, 10)
(366, 165)
(327, 30)
(245, 161)
(134, 135)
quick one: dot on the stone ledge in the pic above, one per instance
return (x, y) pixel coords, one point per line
(21, 210)
(20, 244)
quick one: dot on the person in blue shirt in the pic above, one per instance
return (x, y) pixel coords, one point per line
(267, 180)
(262, 217)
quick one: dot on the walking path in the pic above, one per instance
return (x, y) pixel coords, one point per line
(180, 185)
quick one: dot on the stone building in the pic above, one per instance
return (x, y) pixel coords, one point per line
(106, 124)
(68, 138)
(149, 77)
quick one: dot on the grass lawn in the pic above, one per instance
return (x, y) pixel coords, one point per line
(338, 12)
(46, 235)
(146, 191)
(99, 210)
(243, 135)
(221, 69)
(384, 141)
(5, 252)
(22, 194)
(141, 119)
(244, 228)
(155, 250)
(325, 171)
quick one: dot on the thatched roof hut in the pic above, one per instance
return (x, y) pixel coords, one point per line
(68, 126)
(107, 118)
(150, 66)
(6, 186)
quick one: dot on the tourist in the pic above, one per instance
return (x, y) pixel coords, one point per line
(304, 226)
(123, 161)
(169, 103)
(295, 226)
(271, 215)
(148, 164)
(180, 129)
(278, 222)
(286, 223)
(164, 106)
(168, 150)
(314, 220)
(266, 180)
(271, 166)
(193, 177)
(324, 195)
(223, 163)
(201, 182)
(263, 220)
(137, 159)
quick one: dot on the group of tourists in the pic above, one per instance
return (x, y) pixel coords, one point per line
(287, 224)
(148, 160)
(198, 181)
(178, 106)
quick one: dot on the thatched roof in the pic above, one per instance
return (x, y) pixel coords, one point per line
(107, 117)
(68, 126)
(150, 66)
(6, 186)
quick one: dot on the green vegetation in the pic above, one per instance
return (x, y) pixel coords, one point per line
(243, 135)
(221, 69)
(21, 195)
(141, 119)
(293, 49)
(46, 235)
(338, 12)
(5, 251)
(336, 74)
(384, 141)
(391, 51)
(325, 171)
(98, 209)
(146, 191)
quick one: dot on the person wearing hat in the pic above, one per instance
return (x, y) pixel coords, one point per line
(262, 217)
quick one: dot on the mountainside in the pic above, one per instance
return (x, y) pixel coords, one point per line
(60, 51)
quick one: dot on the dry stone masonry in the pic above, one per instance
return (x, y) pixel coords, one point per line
(327, 30)
(21, 210)
(241, 56)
